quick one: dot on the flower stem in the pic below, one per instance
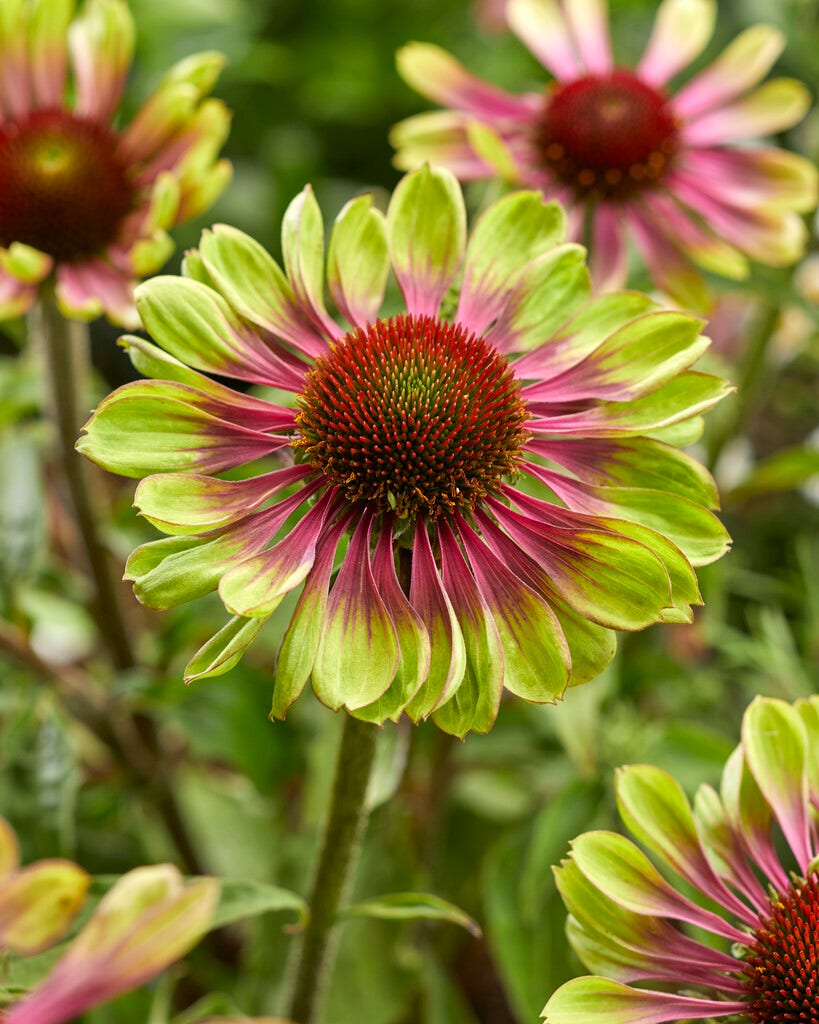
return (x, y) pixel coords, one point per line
(339, 856)
(750, 382)
(65, 345)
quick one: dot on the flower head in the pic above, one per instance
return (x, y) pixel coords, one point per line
(149, 919)
(481, 479)
(751, 851)
(81, 198)
(630, 157)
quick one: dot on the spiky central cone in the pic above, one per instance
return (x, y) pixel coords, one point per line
(62, 188)
(413, 414)
(607, 135)
(782, 967)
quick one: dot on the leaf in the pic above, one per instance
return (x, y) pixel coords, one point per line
(411, 906)
(783, 471)
(241, 899)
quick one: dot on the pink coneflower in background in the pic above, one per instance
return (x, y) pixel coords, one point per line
(630, 157)
(80, 198)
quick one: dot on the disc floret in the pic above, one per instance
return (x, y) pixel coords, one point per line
(608, 135)
(62, 188)
(782, 965)
(414, 415)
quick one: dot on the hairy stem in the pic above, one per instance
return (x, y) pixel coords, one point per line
(339, 856)
(65, 346)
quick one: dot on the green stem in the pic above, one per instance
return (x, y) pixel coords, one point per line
(339, 856)
(750, 383)
(65, 345)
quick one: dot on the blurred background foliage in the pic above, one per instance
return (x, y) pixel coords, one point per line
(314, 91)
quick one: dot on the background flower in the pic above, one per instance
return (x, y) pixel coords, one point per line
(750, 850)
(78, 196)
(629, 157)
(406, 432)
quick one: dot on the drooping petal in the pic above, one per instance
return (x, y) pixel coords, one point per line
(591, 647)
(536, 659)
(224, 650)
(474, 705)
(590, 999)
(541, 26)
(758, 178)
(297, 654)
(188, 503)
(517, 229)
(426, 231)
(437, 75)
(670, 266)
(160, 427)
(448, 652)
(612, 580)
(744, 62)
(773, 237)
(776, 105)
(681, 32)
(357, 261)
(413, 641)
(84, 290)
(609, 259)
(254, 284)
(358, 653)
(255, 587)
(102, 45)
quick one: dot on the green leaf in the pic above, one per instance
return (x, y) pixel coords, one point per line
(240, 899)
(412, 906)
(784, 471)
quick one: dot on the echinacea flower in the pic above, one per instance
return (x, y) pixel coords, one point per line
(746, 946)
(148, 920)
(81, 198)
(399, 437)
(37, 902)
(631, 157)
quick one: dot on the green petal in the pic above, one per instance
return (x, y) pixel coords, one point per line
(174, 570)
(303, 248)
(197, 326)
(357, 260)
(426, 232)
(154, 363)
(512, 232)
(591, 647)
(593, 1000)
(9, 849)
(490, 147)
(774, 742)
(808, 711)
(224, 650)
(550, 289)
(38, 904)
(358, 652)
(638, 358)
(695, 531)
